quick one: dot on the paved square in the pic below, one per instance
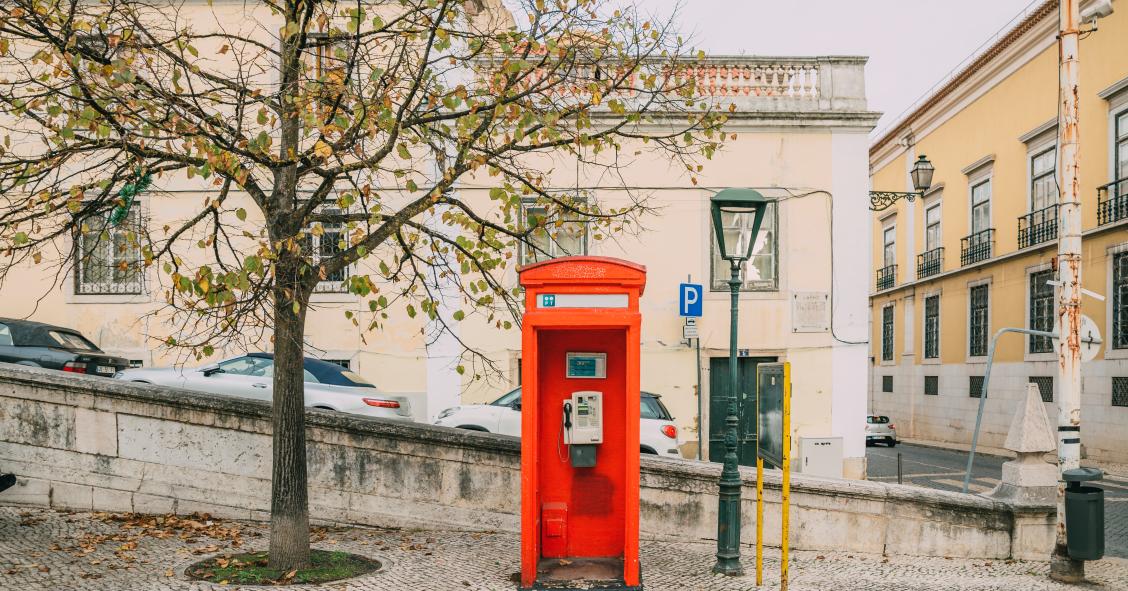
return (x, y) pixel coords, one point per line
(45, 550)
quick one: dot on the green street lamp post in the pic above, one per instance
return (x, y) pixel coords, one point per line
(734, 210)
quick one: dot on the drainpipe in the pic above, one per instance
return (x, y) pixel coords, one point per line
(1062, 567)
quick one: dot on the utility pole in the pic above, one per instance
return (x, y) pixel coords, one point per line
(1062, 567)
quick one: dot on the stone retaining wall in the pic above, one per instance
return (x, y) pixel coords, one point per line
(95, 444)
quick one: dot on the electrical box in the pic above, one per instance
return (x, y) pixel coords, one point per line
(821, 456)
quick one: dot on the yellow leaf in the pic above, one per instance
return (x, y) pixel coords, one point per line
(322, 149)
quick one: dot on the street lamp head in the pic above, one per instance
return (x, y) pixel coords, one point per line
(737, 209)
(922, 174)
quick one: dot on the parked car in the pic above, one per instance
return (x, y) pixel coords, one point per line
(35, 344)
(879, 428)
(657, 432)
(327, 385)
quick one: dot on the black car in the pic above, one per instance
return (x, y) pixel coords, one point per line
(35, 344)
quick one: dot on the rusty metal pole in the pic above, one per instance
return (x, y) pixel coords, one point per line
(1062, 567)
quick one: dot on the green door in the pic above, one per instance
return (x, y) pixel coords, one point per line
(746, 407)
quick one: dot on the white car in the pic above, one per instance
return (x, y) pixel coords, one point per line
(658, 434)
(327, 385)
(880, 428)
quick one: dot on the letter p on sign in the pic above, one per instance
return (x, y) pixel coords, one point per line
(689, 299)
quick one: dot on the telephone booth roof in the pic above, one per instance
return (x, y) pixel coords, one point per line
(584, 270)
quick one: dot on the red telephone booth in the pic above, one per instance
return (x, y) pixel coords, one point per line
(580, 420)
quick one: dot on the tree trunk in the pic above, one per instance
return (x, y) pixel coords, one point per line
(289, 495)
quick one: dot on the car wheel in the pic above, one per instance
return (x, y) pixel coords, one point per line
(647, 451)
(891, 442)
(868, 443)
(324, 408)
(473, 428)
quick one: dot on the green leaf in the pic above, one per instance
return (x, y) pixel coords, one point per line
(241, 214)
(403, 152)
(459, 315)
(410, 311)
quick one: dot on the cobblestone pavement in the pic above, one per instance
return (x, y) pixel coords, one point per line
(944, 469)
(56, 551)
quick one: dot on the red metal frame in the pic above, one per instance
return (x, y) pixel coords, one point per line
(588, 329)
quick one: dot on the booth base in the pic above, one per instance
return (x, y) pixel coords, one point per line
(588, 574)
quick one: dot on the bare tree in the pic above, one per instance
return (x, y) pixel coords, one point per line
(300, 115)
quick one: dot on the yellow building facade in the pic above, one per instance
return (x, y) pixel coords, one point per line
(977, 253)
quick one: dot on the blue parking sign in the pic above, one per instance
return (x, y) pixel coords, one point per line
(689, 299)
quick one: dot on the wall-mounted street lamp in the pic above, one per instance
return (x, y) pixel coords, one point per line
(733, 208)
(922, 180)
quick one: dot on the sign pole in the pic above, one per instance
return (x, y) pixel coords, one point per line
(786, 472)
(759, 521)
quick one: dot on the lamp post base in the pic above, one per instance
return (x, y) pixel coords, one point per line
(728, 566)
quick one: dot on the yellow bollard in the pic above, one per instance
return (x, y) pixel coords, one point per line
(786, 490)
(759, 521)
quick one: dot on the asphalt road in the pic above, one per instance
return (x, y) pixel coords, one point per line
(944, 469)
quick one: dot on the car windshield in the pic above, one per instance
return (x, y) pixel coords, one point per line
(652, 408)
(356, 378)
(878, 420)
(69, 340)
(508, 399)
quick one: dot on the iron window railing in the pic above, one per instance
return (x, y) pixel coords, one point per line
(1041, 311)
(108, 258)
(1119, 391)
(1112, 202)
(1120, 301)
(977, 247)
(931, 385)
(1038, 226)
(977, 341)
(887, 385)
(886, 277)
(932, 327)
(887, 333)
(930, 262)
(975, 386)
(1045, 387)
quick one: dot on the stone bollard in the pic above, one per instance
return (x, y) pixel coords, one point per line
(1029, 479)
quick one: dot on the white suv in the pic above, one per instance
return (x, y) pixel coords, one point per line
(657, 432)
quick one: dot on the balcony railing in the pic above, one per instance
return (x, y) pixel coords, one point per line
(1037, 227)
(977, 247)
(886, 277)
(1112, 202)
(930, 262)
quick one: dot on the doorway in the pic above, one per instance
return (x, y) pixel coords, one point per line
(745, 403)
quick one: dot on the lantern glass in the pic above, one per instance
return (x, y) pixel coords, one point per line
(733, 212)
(922, 174)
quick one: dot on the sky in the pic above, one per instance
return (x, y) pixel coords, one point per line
(912, 44)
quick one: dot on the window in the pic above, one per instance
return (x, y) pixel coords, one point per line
(977, 321)
(981, 207)
(1120, 301)
(345, 363)
(760, 273)
(1045, 387)
(323, 241)
(931, 385)
(1121, 149)
(932, 327)
(975, 386)
(5, 336)
(555, 233)
(890, 246)
(1041, 310)
(877, 420)
(1120, 391)
(508, 399)
(652, 408)
(932, 228)
(1043, 186)
(328, 68)
(71, 341)
(248, 366)
(887, 333)
(886, 383)
(108, 257)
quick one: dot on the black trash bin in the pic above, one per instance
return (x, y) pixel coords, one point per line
(1084, 514)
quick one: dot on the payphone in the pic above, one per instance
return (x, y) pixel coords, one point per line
(580, 424)
(583, 427)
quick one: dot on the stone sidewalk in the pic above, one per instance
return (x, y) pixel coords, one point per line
(45, 550)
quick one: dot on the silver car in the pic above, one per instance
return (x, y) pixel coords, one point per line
(880, 428)
(327, 385)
